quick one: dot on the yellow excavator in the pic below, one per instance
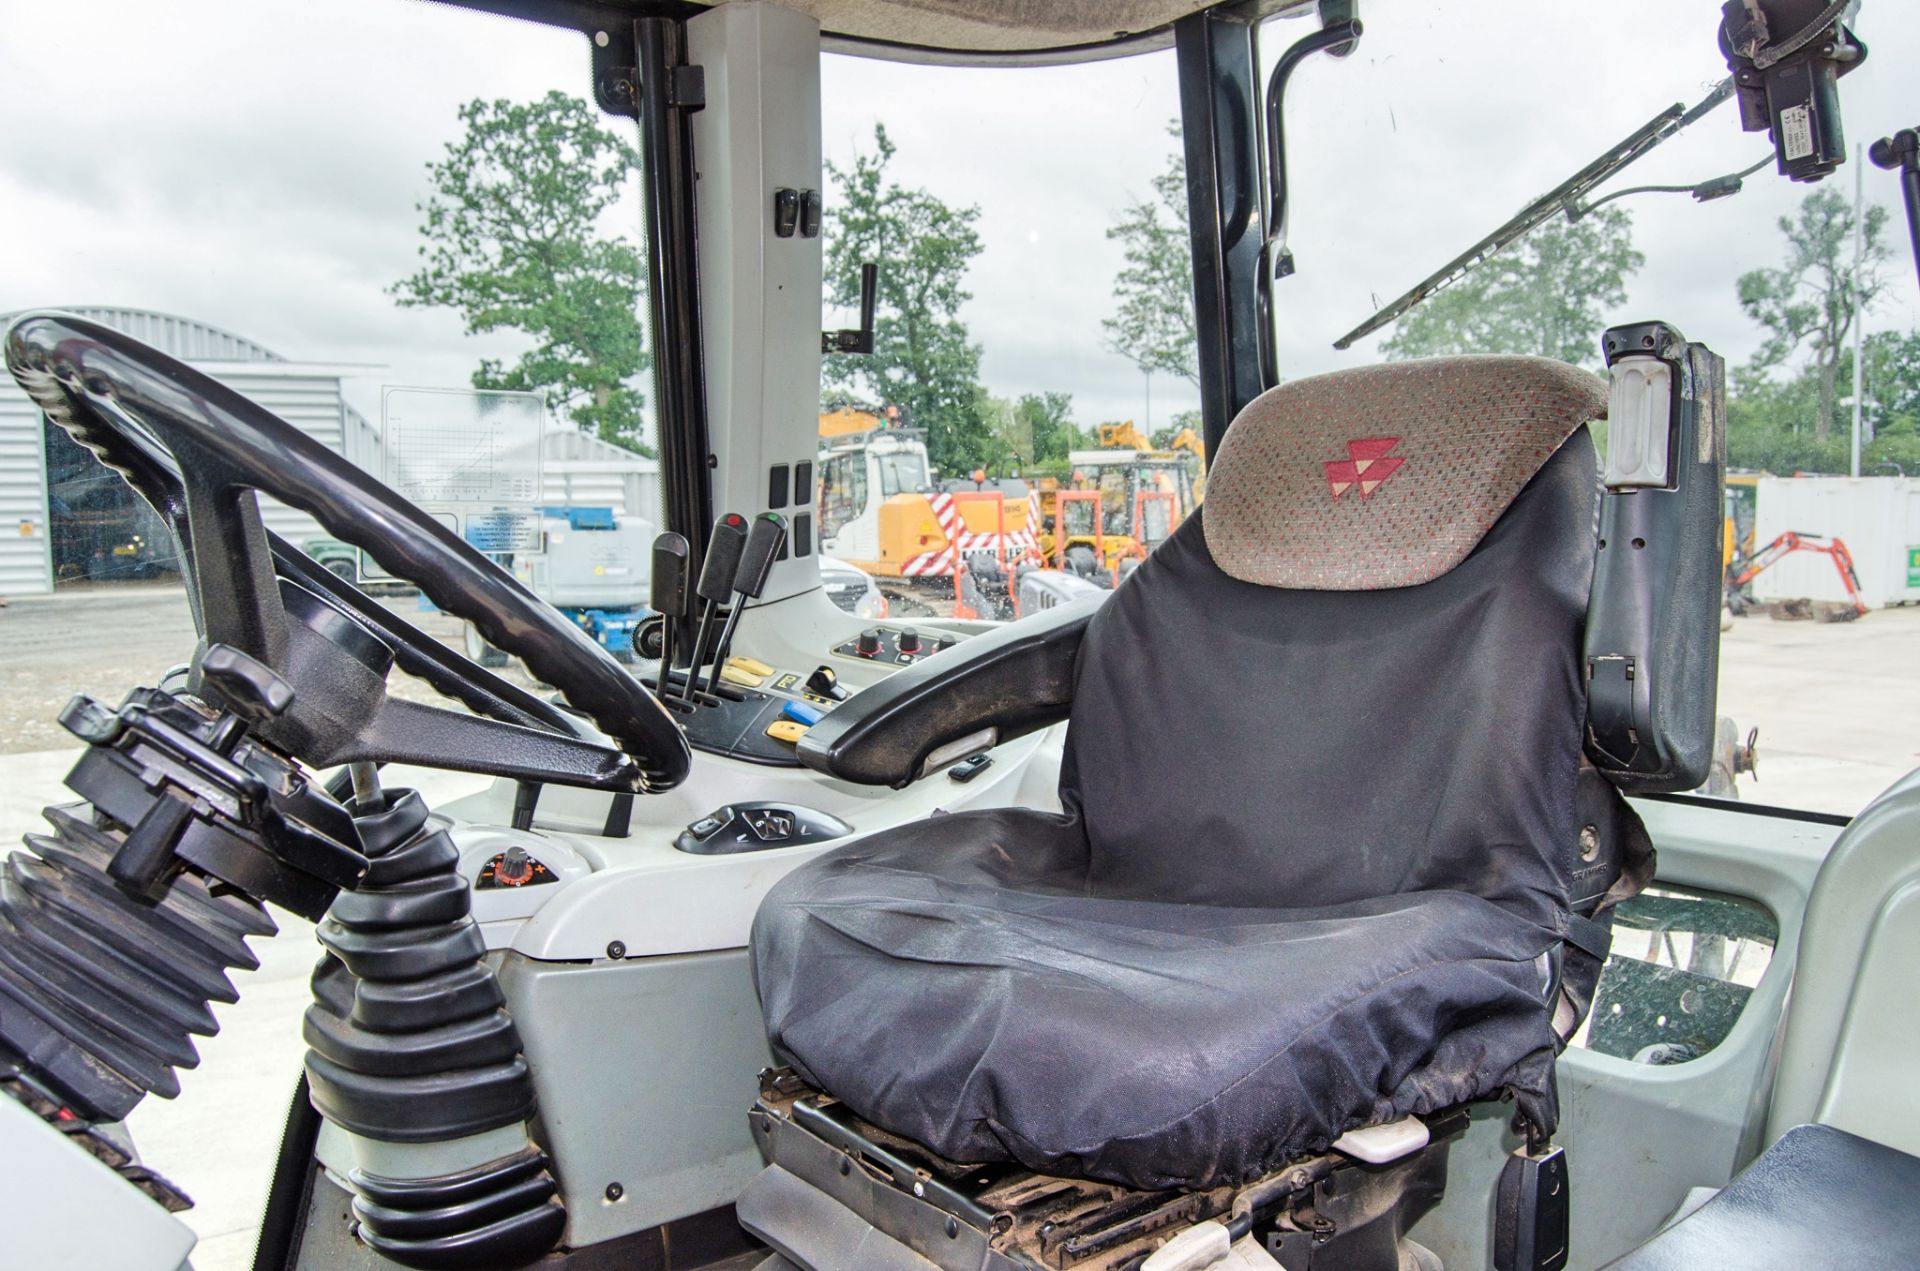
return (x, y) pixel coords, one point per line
(884, 509)
(1123, 498)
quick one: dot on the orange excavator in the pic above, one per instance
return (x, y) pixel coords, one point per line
(1744, 571)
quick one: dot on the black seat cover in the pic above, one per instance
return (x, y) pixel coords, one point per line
(1819, 1197)
(1312, 874)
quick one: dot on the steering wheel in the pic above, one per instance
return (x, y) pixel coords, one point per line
(198, 451)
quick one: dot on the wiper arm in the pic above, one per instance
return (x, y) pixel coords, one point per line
(1563, 196)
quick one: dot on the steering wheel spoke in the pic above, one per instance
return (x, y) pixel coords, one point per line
(402, 731)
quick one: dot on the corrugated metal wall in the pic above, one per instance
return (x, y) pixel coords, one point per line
(310, 403)
(307, 396)
(25, 565)
(578, 469)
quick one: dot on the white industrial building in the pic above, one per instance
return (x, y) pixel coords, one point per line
(578, 470)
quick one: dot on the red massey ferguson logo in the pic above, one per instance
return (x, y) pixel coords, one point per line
(1367, 466)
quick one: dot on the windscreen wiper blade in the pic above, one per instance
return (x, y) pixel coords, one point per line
(1557, 200)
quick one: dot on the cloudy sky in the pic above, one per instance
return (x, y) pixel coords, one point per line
(256, 163)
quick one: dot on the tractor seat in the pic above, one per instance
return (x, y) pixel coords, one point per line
(1320, 862)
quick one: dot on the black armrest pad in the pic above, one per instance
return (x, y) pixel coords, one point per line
(1013, 680)
(1819, 1197)
(1652, 661)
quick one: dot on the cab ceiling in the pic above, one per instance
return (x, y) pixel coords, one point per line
(1006, 30)
(990, 32)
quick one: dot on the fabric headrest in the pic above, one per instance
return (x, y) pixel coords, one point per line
(1386, 476)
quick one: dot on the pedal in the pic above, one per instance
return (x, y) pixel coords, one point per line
(1531, 1212)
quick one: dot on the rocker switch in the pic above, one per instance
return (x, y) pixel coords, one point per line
(755, 827)
(786, 212)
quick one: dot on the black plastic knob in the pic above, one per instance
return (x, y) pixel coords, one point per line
(909, 641)
(869, 642)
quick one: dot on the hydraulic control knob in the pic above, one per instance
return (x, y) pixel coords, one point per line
(909, 641)
(869, 642)
(515, 867)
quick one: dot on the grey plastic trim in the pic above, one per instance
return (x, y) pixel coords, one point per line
(1847, 1055)
(670, 1046)
(68, 1209)
(1639, 1137)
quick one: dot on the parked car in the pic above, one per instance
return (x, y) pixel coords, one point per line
(852, 588)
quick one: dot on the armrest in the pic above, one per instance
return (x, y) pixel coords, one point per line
(1012, 681)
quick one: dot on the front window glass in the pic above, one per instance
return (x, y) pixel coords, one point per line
(901, 474)
(1035, 306)
(1458, 137)
(311, 204)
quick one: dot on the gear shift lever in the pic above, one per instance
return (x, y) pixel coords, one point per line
(764, 541)
(724, 545)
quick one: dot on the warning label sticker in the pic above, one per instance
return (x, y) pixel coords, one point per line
(1796, 132)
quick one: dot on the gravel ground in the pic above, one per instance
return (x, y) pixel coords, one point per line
(1835, 703)
(104, 641)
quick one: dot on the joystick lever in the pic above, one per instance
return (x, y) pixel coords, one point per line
(667, 596)
(724, 546)
(764, 541)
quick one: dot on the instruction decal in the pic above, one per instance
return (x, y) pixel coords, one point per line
(1796, 132)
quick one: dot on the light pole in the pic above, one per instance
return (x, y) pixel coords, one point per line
(1859, 318)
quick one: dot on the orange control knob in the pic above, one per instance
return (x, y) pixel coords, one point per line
(514, 867)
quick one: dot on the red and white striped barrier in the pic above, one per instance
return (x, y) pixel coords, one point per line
(946, 514)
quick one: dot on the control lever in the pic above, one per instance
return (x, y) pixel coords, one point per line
(860, 341)
(724, 545)
(668, 596)
(824, 683)
(764, 541)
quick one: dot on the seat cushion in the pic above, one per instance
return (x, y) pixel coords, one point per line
(1819, 1197)
(957, 982)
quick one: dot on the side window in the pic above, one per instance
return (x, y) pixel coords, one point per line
(1682, 967)
(842, 491)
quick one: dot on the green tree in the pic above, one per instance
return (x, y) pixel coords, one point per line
(1048, 419)
(512, 239)
(1154, 325)
(1551, 294)
(1009, 445)
(922, 360)
(1768, 415)
(1891, 382)
(1810, 299)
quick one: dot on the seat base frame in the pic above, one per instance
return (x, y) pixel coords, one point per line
(887, 1202)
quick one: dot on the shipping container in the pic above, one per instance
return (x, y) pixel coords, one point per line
(1877, 517)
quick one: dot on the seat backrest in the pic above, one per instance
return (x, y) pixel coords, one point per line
(1357, 670)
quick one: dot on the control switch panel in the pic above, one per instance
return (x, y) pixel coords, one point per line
(895, 646)
(514, 867)
(756, 827)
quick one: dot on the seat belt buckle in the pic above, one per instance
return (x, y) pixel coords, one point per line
(1531, 1211)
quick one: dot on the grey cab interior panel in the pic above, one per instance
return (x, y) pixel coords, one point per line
(678, 1036)
(1696, 1123)
(1847, 1058)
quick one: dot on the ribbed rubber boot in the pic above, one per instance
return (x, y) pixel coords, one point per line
(410, 1042)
